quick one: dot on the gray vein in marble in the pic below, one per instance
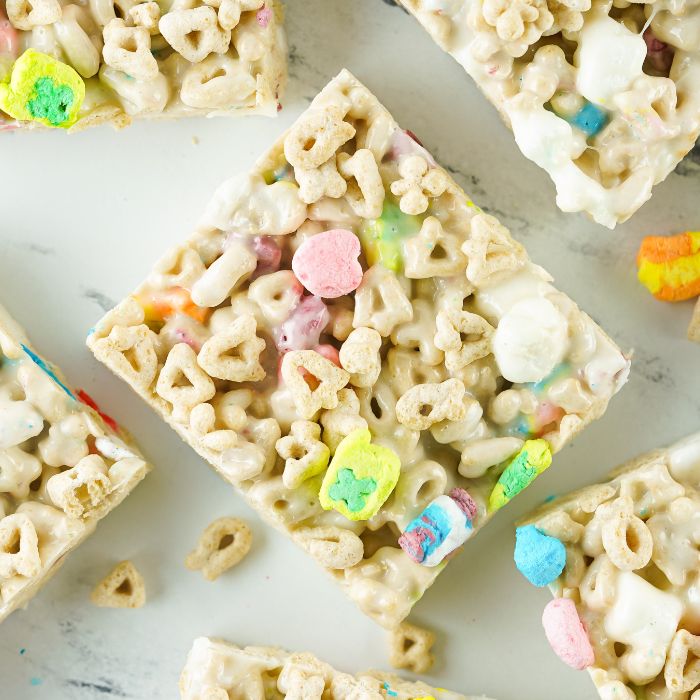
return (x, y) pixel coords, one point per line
(33, 247)
(103, 687)
(102, 300)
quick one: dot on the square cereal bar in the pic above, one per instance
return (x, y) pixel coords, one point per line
(348, 339)
(78, 65)
(217, 670)
(622, 560)
(63, 467)
(605, 96)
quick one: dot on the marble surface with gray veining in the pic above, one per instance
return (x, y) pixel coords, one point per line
(82, 220)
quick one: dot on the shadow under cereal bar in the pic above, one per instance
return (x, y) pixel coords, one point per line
(373, 361)
(603, 96)
(63, 467)
(217, 669)
(626, 582)
(74, 66)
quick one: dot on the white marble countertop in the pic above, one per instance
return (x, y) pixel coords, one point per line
(82, 220)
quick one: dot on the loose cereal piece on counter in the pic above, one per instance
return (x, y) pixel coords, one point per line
(222, 545)
(444, 526)
(123, 587)
(63, 466)
(669, 266)
(249, 670)
(42, 89)
(534, 457)
(360, 477)
(622, 608)
(386, 386)
(595, 93)
(409, 648)
(694, 327)
(326, 264)
(87, 64)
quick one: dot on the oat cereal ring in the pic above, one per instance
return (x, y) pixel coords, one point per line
(365, 189)
(409, 647)
(323, 181)
(222, 545)
(332, 547)
(626, 539)
(342, 420)
(129, 351)
(419, 333)
(359, 355)
(183, 383)
(426, 404)
(26, 16)
(682, 670)
(315, 138)
(81, 490)
(380, 301)
(194, 33)
(491, 250)
(304, 453)
(230, 10)
(216, 82)
(463, 336)
(19, 547)
(146, 15)
(277, 294)
(433, 252)
(128, 49)
(203, 425)
(418, 182)
(123, 587)
(331, 380)
(234, 353)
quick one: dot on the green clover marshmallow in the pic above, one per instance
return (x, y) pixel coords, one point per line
(42, 89)
(360, 477)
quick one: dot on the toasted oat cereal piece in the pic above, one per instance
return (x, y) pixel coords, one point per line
(694, 327)
(63, 466)
(621, 559)
(253, 340)
(216, 670)
(608, 121)
(222, 545)
(74, 66)
(123, 587)
(409, 648)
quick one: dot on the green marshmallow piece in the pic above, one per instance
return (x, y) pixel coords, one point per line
(382, 238)
(534, 457)
(42, 89)
(360, 477)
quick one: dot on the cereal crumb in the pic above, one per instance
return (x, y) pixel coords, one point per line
(409, 648)
(195, 141)
(123, 587)
(222, 545)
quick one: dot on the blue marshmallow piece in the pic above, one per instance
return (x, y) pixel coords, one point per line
(539, 557)
(589, 119)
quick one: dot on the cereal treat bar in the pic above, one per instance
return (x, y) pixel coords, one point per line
(218, 670)
(622, 560)
(372, 360)
(602, 94)
(63, 467)
(78, 65)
